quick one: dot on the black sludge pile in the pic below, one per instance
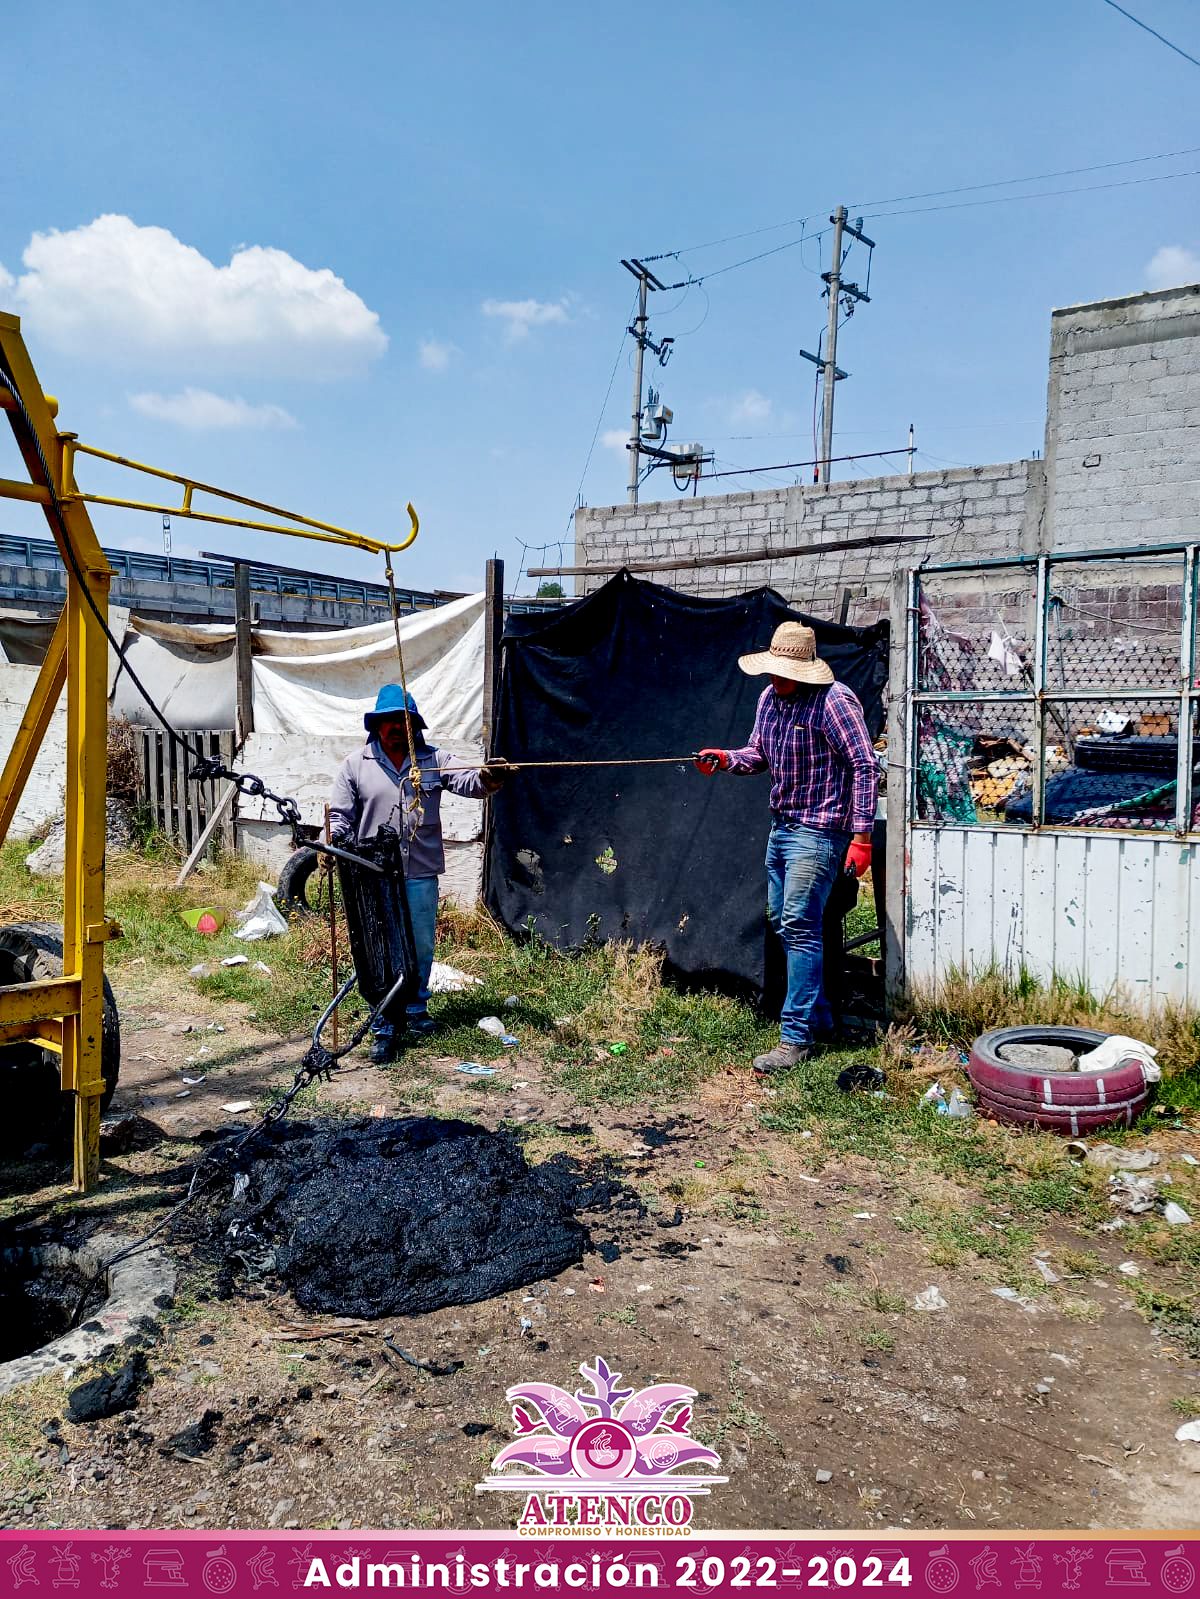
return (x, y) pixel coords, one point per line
(395, 1217)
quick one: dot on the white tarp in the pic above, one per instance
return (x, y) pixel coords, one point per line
(321, 683)
(314, 684)
(189, 671)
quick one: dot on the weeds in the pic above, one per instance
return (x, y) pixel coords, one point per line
(964, 1005)
(879, 1339)
(1173, 1315)
(738, 1418)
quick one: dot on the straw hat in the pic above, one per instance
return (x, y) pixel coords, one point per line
(793, 653)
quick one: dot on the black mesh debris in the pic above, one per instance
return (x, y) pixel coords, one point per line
(399, 1216)
(379, 924)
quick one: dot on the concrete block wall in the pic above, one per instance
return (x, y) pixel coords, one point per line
(973, 513)
(1123, 421)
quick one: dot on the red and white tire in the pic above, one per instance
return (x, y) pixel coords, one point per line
(1065, 1102)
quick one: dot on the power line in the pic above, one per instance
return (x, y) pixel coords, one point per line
(788, 466)
(1042, 194)
(761, 256)
(1162, 39)
(1033, 177)
(732, 238)
(957, 205)
(927, 194)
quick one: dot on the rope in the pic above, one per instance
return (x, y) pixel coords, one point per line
(499, 761)
(417, 807)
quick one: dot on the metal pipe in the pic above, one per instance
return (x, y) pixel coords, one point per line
(1041, 706)
(1187, 670)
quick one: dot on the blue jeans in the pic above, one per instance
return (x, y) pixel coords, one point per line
(802, 867)
(422, 907)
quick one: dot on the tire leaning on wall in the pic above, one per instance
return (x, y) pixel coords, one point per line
(35, 1108)
(291, 894)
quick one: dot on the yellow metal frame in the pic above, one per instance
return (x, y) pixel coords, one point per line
(65, 1014)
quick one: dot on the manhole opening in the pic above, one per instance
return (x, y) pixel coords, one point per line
(43, 1294)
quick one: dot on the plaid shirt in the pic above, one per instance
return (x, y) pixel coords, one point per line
(816, 746)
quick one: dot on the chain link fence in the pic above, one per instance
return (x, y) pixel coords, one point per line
(1052, 691)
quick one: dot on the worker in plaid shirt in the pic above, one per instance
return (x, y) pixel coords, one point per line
(809, 733)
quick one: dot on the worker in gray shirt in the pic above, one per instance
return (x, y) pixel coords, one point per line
(373, 789)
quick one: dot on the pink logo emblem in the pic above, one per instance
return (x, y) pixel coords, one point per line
(603, 1440)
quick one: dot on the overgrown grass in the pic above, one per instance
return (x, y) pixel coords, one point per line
(964, 1005)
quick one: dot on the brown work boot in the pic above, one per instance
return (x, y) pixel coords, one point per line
(782, 1058)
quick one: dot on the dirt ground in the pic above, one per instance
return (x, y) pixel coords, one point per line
(780, 1287)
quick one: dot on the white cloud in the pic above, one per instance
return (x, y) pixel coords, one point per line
(434, 355)
(521, 315)
(614, 438)
(142, 294)
(202, 410)
(751, 407)
(1172, 266)
(7, 281)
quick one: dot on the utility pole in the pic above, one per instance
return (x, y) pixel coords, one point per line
(839, 292)
(834, 279)
(641, 338)
(912, 447)
(635, 432)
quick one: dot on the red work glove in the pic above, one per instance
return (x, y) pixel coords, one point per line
(709, 761)
(858, 857)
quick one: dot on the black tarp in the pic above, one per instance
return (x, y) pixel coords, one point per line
(654, 854)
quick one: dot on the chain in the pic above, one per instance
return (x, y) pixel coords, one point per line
(211, 768)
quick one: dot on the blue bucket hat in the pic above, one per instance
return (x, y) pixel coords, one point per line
(392, 701)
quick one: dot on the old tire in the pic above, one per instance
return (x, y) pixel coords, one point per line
(1067, 1102)
(36, 1109)
(291, 895)
(1070, 1120)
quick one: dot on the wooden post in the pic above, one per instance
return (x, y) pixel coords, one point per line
(244, 647)
(493, 629)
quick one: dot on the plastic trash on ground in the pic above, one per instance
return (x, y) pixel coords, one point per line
(445, 979)
(1132, 1194)
(495, 1028)
(472, 1068)
(206, 919)
(261, 918)
(1189, 1433)
(861, 1076)
(1012, 1297)
(1176, 1215)
(930, 1299)
(1117, 1048)
(958, 1106)
(1122, 1159)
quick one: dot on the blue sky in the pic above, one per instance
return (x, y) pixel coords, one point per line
(362, 254)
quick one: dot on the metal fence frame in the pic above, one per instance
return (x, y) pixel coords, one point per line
(1038, 696)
